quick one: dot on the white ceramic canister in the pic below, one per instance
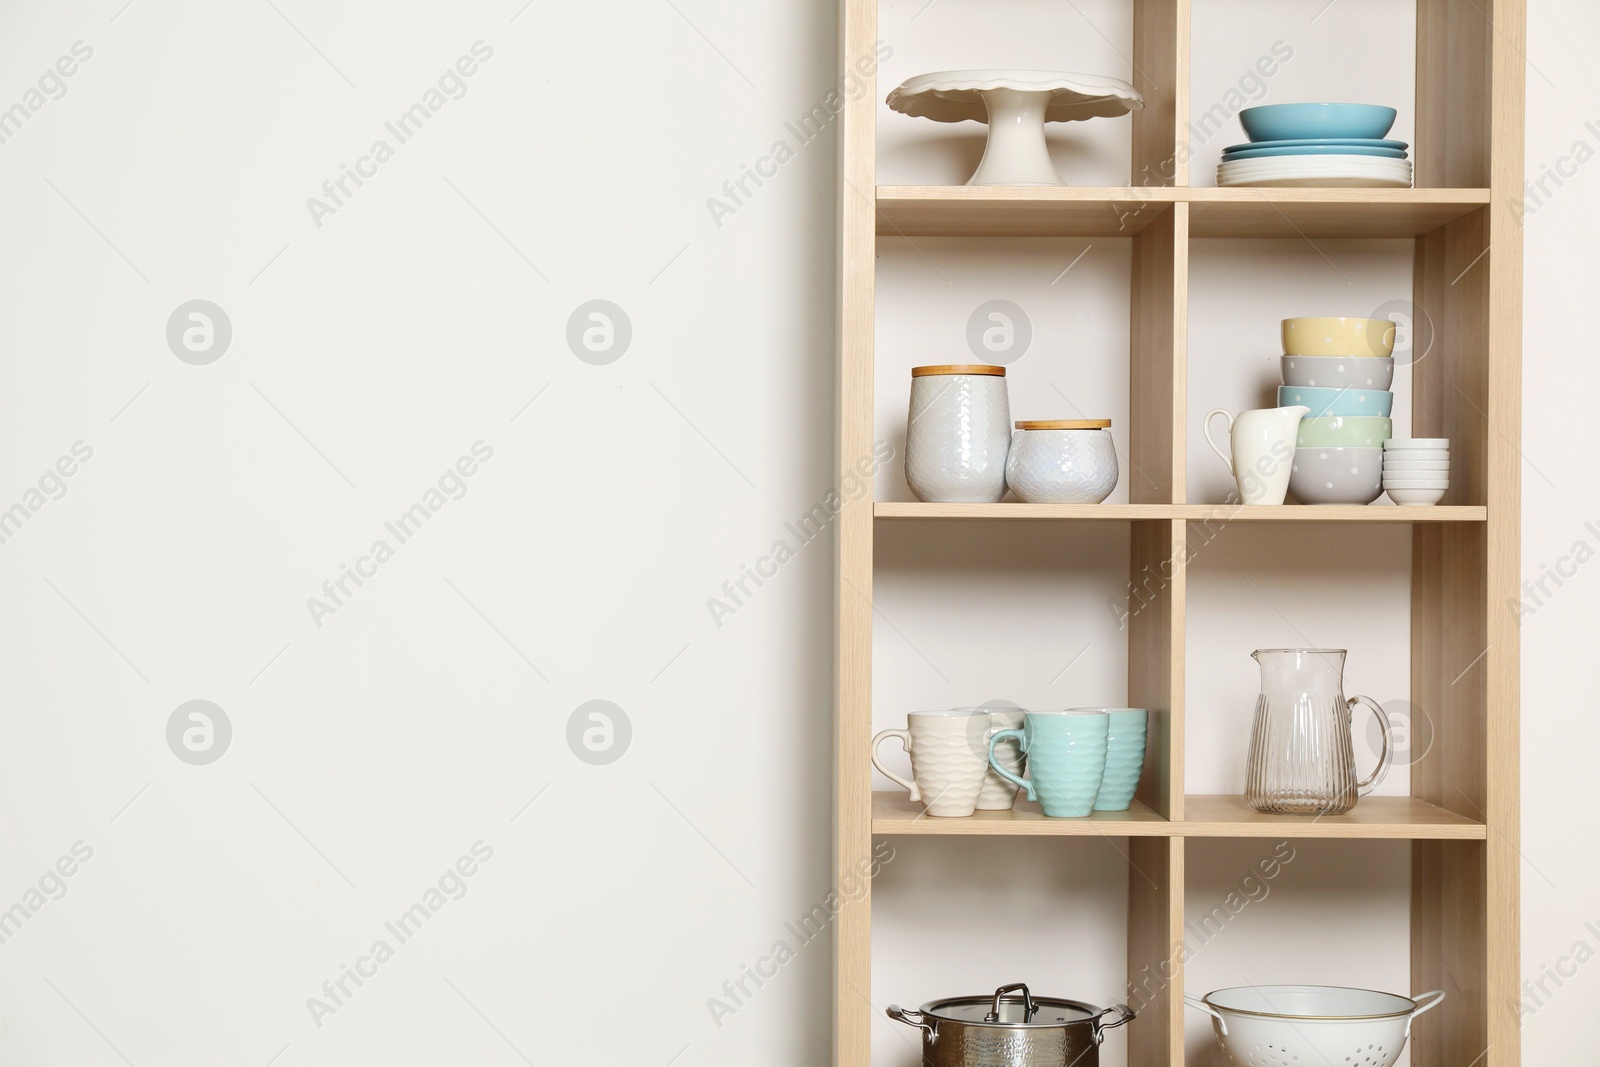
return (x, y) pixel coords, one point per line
(1063, 461)
(958, 432)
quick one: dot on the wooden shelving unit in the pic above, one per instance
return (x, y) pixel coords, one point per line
(1462, 818)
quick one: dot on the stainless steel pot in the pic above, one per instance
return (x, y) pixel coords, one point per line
(1011, 1031)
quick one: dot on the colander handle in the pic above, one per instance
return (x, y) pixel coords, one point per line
(1222, 1024)
(1436, 994)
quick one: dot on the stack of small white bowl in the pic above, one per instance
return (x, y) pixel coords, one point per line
(1416, 470)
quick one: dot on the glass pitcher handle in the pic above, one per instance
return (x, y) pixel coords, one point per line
(1385, 758)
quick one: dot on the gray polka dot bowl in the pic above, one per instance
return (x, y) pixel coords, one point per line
(1339, 372)
(1336, 475)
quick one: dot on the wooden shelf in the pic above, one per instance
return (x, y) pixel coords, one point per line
(1328, 212)
(1405, 818)
(1210, 513)
(1001, 211)
(996, 211)
(896, 813)
(1374, 819)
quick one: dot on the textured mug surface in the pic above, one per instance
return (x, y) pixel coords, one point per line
(948, 759)
(958, 434)
(1066, 753)
(1124, 757)
(997, 794)
(1062, 466)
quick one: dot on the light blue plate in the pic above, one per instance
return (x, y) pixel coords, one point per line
(1314, 150)
(1362, 142)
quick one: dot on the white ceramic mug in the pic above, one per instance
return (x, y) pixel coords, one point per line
(1263, 443)
(997, 794)
(949, 759)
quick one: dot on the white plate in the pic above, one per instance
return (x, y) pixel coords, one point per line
(1417, 442)
(1317, 171)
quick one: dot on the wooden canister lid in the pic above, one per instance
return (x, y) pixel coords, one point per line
(1065, 424)
(958, 368)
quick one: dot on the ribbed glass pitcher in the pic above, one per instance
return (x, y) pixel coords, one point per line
(1301, 758)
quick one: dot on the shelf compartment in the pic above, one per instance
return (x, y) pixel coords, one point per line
(1003, 211)
(1190, 512)
(895, 813)
(1374, 818)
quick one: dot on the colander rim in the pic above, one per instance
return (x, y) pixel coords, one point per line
(1404, 1012)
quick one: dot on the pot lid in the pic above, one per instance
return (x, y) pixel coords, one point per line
(1064, 424)
(958, 368)
(1047, 1011)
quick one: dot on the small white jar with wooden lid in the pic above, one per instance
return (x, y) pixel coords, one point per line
(1063, 461)
(958, 433)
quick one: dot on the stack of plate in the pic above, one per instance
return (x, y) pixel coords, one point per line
(1340, 145)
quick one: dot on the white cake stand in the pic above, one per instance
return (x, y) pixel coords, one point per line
(1016, 104)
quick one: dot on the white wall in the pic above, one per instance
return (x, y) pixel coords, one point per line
(368, 353)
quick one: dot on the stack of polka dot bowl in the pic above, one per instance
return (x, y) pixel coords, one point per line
(1340, 369)
(1416, 470)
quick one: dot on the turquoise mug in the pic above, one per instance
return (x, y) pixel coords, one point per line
(1066, 753)
(1125, 745)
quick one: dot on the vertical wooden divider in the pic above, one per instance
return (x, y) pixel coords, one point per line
(1157, 405)
(852, 796)
(1465, 578)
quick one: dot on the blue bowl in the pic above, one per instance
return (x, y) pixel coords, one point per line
(1289, 122)
(1378, 403)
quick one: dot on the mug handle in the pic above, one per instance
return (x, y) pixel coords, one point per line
(994, 738)
(1386, 758)
(1214, 412)
(905, 739)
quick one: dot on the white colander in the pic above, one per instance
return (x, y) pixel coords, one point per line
(1311, 1025)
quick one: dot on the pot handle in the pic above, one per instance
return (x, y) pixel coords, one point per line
(1028, 1007)
(1437, 995)
(1387, 756)
(1195, 1002)
(1124, 1015)
(903, 1015)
